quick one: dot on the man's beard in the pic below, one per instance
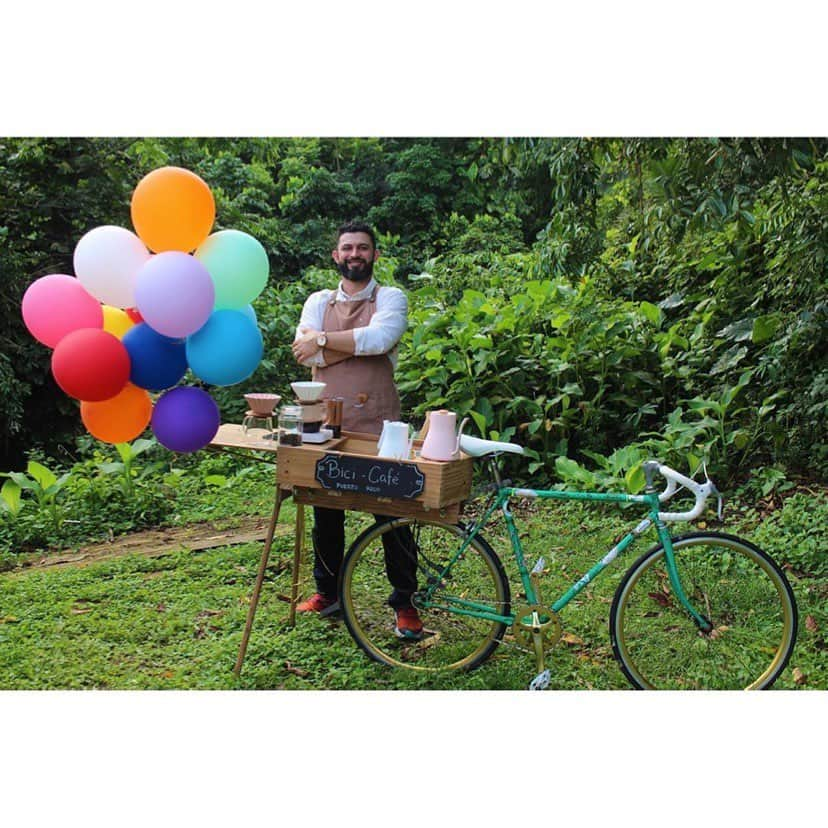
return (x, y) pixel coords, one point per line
(356, 274)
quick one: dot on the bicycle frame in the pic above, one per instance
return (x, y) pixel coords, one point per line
(500, 501)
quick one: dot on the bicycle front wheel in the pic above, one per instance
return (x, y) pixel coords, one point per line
(453, 604)
(736, 586)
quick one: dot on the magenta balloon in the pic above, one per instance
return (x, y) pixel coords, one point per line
(174, 294)
(56, 305)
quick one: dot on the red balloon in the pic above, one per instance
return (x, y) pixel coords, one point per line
(91, 364)
(133, 314)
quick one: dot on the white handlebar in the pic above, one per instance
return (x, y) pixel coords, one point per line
(674, 479)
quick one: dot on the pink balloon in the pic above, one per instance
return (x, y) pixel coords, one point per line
(56, 305)
(174, 293)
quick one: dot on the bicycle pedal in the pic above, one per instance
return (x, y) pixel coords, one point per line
(333, 611)
(540, 681)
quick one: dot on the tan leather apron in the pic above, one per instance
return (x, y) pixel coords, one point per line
(366, 383)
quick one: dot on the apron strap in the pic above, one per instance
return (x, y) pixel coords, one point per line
(372, 298)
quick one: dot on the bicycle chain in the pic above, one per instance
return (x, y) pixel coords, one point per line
(550, 629)
(522, 634)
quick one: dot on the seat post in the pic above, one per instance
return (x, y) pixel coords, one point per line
(495, 470)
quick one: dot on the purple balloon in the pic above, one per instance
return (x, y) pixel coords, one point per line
(185, 419)
(174, 294)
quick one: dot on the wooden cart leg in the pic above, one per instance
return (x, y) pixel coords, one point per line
(254, 598)
(297, 562)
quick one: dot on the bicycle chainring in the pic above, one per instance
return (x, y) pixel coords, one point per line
(534, 618)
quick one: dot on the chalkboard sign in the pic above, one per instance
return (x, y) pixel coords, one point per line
(379, 478)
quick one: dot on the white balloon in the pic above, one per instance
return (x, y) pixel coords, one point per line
(107, 260)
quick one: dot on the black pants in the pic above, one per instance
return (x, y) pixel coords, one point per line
(329, 548)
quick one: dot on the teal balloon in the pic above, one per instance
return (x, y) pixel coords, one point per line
(238, 266)
(226, 350)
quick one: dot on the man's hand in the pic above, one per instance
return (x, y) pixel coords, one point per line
(304, 346)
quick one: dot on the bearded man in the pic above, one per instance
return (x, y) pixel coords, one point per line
(349, 337)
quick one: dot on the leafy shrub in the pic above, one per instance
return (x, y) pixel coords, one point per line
(795, 534)
(578, 295)
(560, 367)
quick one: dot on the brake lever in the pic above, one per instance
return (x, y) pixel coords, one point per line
(714, 491)
(719, 499)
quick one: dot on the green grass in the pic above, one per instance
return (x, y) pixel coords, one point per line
(175, 622)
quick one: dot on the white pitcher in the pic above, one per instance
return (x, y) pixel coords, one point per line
(382, 438)
(395, 441)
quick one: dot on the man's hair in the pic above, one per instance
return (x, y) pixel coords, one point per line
(357, 227)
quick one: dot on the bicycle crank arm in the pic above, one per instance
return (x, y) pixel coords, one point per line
(537, 643)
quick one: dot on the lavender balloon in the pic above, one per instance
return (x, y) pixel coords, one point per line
(185, 419)
(174, 294)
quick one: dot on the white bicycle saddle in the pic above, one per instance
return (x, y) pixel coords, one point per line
(477, 447)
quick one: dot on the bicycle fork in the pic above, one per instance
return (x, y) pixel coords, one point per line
(651, 494)
(702, 622)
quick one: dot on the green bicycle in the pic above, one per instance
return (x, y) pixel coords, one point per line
(703, 610)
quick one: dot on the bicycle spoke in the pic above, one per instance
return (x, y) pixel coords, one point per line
(455, 637)
(742, 592)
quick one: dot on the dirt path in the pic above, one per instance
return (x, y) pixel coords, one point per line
(157, 542)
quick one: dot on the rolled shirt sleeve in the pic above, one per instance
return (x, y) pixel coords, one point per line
(379, 336)
(312, 318)
(387, 325)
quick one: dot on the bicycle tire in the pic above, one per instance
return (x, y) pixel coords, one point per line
(736, 586)
(452, 641)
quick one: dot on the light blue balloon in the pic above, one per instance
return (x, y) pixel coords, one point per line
(226, 350)
(248, 311)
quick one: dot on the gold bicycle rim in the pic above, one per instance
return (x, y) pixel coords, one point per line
(787, 615)
(363, 637)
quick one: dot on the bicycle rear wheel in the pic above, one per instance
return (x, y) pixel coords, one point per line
(452, 640)
(736, 586)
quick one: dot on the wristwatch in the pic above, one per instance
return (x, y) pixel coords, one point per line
(322, 340)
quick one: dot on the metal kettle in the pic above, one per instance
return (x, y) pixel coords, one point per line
(442, 442)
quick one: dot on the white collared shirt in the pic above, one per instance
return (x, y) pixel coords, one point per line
(379, 336)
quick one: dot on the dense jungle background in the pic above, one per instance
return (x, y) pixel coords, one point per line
(593, 299)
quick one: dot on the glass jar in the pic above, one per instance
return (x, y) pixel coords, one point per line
(290, 425)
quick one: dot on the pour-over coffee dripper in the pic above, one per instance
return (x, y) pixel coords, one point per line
(308, 392)
(313, 409)
(260, 411)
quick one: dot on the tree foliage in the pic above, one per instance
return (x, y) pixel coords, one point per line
(582, 296)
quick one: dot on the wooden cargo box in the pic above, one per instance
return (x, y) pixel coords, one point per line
(346, 473)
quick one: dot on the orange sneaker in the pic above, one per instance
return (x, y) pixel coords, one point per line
(316, 603)
(409, 624)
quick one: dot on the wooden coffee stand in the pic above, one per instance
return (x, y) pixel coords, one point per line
(345, 473)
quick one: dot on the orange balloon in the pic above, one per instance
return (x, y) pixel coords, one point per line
(119, 419)
(172, 209)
